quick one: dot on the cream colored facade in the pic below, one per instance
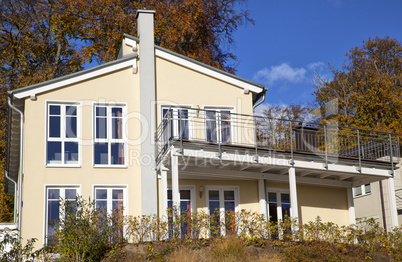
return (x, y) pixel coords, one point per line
(314, 189)
(374, 204)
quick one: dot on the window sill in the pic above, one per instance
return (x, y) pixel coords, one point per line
(111, 166)
(61, 165)
(368, 194)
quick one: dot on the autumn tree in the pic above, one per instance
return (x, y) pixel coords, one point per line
(45, 39)
(368, 88)
(275, 123)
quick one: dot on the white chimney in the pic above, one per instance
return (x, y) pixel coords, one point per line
(146, 67)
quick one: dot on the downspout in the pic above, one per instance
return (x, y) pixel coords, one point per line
(15, 196)
(262, 100)
(18, 223)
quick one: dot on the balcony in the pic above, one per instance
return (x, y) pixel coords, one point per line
(223, 131)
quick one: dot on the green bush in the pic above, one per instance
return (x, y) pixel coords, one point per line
(11, 248)
(84, 233)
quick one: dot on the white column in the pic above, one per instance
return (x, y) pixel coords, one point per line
(293, 193)
(164, 193)
(263, 200)
(392, 202)
(175, 179)
(351, 206)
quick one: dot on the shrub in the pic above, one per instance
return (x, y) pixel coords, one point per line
(11, 248)
(84, 233)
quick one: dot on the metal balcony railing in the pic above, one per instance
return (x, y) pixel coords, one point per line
(222, 128)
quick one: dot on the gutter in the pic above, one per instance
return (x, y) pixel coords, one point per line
(263, 98)
(18, 222)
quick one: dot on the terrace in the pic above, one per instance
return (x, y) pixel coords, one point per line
(222, 132)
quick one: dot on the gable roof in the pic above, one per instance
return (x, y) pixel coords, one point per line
(203, 68)
(130, 60)
(33, 90)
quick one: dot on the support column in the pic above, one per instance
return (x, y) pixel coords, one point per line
(164, 193)
(351, 206)
(392, 202)
(262, 196)
(293, 193)
(175, 180)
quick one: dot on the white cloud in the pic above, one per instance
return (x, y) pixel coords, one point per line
(283, 75)
(282, 72)
(315, 66)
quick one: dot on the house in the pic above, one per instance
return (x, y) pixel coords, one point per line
(371, 201)
(154, 127)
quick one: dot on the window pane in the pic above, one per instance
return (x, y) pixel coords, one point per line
(117, 206)
(273, 212)
(53, 152)
(367, 188)
(117, 151)
(101, 194)
(53, 194)
(211, 126)
(271, 197)
(101, 127)
(71, 127)
(71, 110)
(54, 110)
(101, 204)
(228, 195)
(117, 194)
(117, 128)
(100, 111)
(225, 125)
(71, 153)
(101, 153)
(185, 194)
(213, 195)
(53, 211)
(213, 207)
(183, 123)
(285, 198)
(229, 206)
(169, 194)
(71, 194)
(117, 111)
(285, 210)
(54, 126)
(168, 125)
(358, 190)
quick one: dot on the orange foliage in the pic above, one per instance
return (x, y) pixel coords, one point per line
(368, 89)
(45, 39)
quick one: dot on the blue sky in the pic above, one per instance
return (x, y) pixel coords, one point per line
(291, 39)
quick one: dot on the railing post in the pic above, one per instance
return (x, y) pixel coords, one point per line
(291, 143)
(390, 154)
(255, 138)
(218, 133)
(180, 127)
(326, 146)
(358, 148)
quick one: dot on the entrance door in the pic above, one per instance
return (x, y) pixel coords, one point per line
(278, 205)
(185, 213)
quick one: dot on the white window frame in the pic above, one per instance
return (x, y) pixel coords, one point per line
(109, 140)
(218, 109)
(109, 194)
(62, 197)
(175, 109)
(222, 201)
(363, 190)
(63, 137)
(192, 195)
(278, 192)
